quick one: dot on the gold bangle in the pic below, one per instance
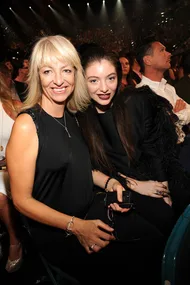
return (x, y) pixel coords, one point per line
(69, 226)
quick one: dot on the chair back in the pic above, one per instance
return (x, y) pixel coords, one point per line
(176, 257)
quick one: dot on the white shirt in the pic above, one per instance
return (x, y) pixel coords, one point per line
(6, 124)
(167, 91)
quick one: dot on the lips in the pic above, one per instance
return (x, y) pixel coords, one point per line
(104, 96)
(59, 90)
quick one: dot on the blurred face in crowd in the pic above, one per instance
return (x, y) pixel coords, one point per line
(9, 65)
(57, 80)
(159, 59)
(24, 70)
(124, 65)
(102, 82)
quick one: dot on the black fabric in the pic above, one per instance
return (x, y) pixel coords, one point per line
(155, 143)
(182, 87)
(128, 226)
(63, 181)
(57, 169)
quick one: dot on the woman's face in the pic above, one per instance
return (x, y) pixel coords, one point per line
(102, 81)
(57, 80)
(124, 65)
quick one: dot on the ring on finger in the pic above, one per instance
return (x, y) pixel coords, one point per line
(92, 246)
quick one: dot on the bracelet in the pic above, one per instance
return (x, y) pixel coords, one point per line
(106, 184)
(69, 226)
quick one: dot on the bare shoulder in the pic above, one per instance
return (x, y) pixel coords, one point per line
(24, 125)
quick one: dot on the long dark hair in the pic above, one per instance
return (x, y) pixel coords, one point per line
(90, 124)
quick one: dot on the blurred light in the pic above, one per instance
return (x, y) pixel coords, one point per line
(69, 5)
(49, 6)
(87, 4)
(30, 7)
(10, 8)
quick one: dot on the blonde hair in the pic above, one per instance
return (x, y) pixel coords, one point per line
(62, 49)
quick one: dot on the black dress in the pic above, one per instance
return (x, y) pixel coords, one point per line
(63, 181)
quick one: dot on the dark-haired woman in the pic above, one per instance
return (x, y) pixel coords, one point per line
(134, 134)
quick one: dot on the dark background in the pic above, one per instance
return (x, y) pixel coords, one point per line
(119, 29)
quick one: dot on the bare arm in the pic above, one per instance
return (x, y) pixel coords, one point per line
(21, 156)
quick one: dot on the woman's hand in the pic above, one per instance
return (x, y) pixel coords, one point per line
(92, 234)
(148, 188)
(117, 187)
(168, 200)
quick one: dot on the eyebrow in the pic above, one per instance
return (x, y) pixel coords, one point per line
(48, 65)
(93, 76)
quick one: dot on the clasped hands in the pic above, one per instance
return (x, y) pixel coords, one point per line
(150, 188)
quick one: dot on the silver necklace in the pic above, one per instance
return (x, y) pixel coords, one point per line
(64, 126)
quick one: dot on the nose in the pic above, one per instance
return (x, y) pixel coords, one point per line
(103, 87)
(58, 79)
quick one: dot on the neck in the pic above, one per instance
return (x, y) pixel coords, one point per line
(154, 75)
(52, 108)
(102, 109)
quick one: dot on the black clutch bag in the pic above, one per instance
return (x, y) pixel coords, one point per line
(111, 197)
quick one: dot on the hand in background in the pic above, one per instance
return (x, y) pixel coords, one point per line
(180, 105)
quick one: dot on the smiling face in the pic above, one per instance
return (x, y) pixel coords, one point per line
(102, 82)
(57, 80)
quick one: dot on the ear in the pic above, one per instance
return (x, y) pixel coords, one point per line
(147, 60)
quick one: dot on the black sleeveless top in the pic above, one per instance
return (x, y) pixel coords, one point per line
(63, 177)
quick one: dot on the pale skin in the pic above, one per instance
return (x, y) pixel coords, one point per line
(102, 82)
(57, 80)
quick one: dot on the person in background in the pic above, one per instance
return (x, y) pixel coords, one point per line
(20, 77)
(171, 74)
(9, 109)
(125, 62)
(182, 86)
(9, 65)
(46, 149)
(183, 90)
(154, 60)
(136, 74)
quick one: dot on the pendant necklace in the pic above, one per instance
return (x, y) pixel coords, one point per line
(64, 126)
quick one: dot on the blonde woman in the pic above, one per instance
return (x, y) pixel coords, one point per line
(8, 111)
(49, 164)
